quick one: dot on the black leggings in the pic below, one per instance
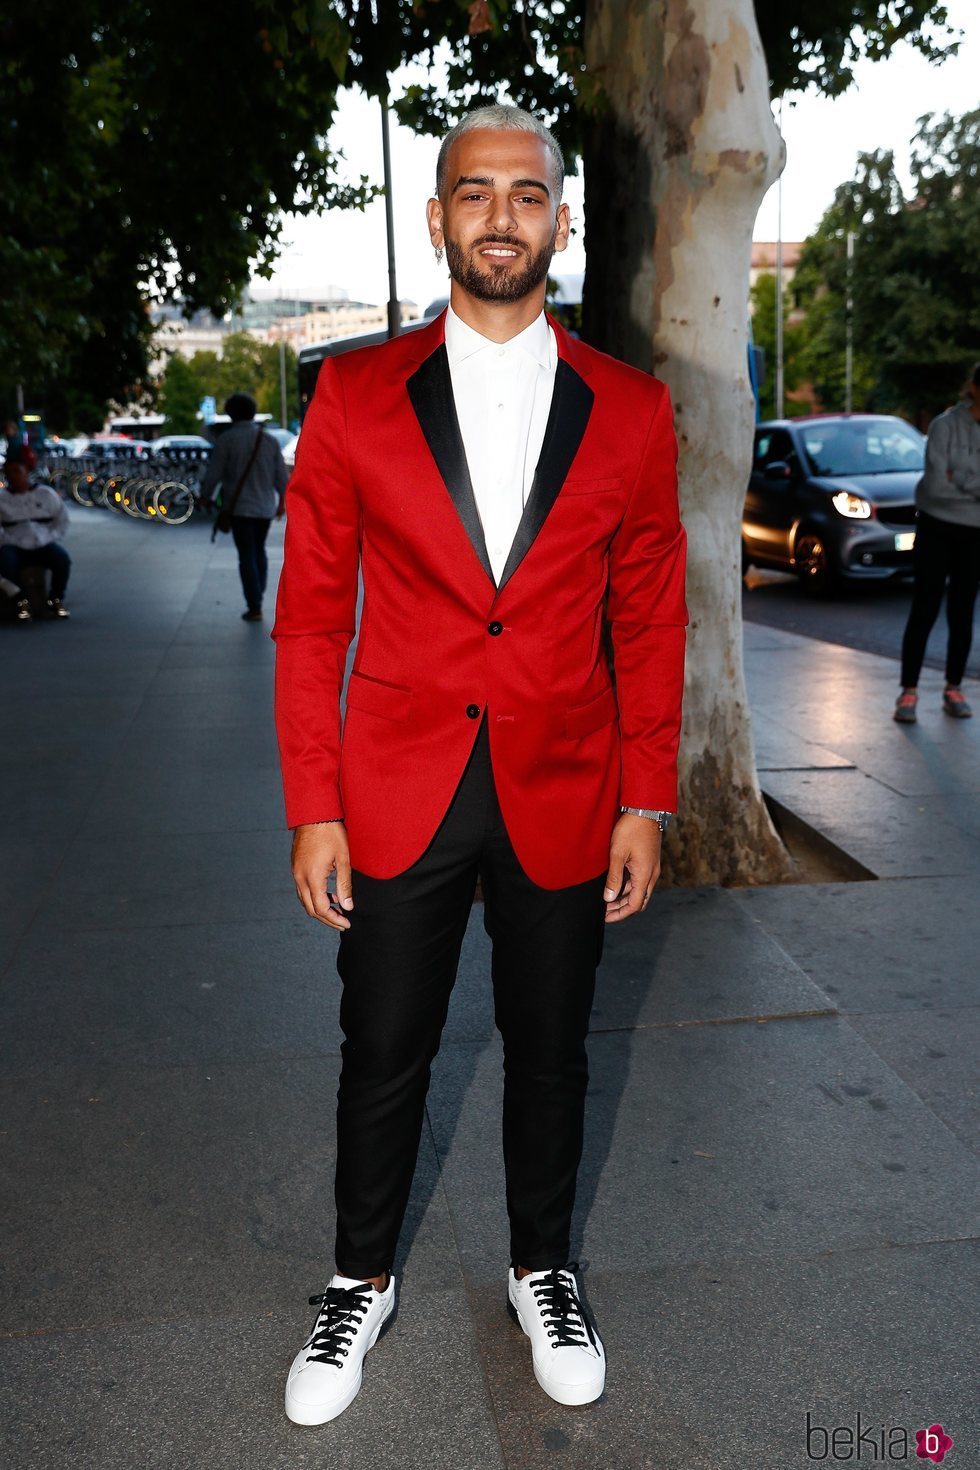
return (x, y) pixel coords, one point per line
(943, 550)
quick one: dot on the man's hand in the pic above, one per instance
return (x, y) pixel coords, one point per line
(319, 849)
(635, 847)
(281, 508)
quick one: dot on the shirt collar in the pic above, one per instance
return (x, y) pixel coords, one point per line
(462, 341)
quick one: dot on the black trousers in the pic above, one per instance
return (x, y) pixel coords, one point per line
(52, 556)
(398, 963)
(943, 551)
(249, 533)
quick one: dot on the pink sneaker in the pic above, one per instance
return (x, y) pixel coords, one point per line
(905, 708)
(954, 703)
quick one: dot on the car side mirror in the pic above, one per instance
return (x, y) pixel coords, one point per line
(778, 469)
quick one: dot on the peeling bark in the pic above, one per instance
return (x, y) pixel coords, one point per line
(679, 154)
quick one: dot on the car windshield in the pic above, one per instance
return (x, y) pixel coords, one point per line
(863, 446)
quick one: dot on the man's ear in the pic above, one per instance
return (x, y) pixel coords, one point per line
(563, 221)
(433, 213)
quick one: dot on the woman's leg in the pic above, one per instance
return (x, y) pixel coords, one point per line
(931, 562)
(964, 579)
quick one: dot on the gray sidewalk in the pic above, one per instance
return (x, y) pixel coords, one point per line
(778, 1210)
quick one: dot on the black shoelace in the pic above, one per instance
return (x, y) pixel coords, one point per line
(342, 1310)
(563, 1313)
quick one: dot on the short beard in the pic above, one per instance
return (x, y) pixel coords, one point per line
(501, 284)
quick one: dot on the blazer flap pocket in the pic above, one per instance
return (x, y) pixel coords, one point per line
(582, 719)
(391, 701)
(590, 487)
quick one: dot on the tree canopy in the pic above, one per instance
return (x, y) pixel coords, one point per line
(915, 288)
(245, 365)
(149, 150)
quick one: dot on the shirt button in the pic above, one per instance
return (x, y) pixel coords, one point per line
(473, 711)
(501, 351)
(495, 628)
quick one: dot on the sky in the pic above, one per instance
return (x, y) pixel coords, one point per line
(347, 249)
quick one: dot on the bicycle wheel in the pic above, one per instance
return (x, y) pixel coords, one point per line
(174, 503)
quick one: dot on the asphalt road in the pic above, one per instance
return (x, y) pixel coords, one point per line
(870, 617)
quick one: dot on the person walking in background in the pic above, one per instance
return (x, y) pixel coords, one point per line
(501, 486)
(248, 466)
(947, 550)
(32, 518)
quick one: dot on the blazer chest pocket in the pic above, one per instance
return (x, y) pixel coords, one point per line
(582, 719)
(590, 487)
(375, 697)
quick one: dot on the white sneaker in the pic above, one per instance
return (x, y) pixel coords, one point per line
(567, 1353)
(326, 1372)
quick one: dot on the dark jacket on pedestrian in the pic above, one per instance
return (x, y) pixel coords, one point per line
(266, 479)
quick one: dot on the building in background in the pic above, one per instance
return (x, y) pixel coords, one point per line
(764, 259)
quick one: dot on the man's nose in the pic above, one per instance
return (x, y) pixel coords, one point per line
(502, 216)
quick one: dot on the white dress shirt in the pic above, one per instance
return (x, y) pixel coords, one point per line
(503, 395)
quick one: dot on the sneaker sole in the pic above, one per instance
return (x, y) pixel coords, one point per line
(957, 714)
(903, 719)
(309, 1415)
(571, 1395)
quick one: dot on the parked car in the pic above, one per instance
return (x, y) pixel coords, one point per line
(281, 436)
(289, 450)
(180, 441)
(832, 498)
(118, 446)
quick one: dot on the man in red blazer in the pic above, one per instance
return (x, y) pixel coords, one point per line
(503, 488)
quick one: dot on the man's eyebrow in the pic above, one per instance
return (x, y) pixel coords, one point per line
(485, 182)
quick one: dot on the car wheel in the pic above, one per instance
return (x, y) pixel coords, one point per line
(813, 565)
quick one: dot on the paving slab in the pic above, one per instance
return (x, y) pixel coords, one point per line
(171, 995)
(778, 748)
(756, 1139)
(691, 957)
(903, 944)
(893, 835)
(28, 866)
(137, 1195)
(138, 879)
(163, 789)
(192, 1393)
(936, 1052)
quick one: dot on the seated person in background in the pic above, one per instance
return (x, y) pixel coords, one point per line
(31, 518)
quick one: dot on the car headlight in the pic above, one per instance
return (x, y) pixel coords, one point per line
(847, 504)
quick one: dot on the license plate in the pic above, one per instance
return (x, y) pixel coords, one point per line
(904, 540)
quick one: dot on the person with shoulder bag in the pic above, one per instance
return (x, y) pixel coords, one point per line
(250, 462)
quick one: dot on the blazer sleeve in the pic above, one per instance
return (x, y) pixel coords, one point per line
(316, 607)
(648, 617)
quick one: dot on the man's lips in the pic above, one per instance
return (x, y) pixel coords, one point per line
(499, 252)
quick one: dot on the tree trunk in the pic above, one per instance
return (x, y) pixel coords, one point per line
(679, 151)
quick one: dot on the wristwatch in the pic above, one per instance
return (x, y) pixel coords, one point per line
(661, 818)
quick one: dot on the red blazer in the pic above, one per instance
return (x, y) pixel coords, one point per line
(381, 479)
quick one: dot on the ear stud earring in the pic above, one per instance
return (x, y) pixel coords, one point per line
(439, 254)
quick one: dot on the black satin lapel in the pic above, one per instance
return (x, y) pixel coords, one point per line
(430, 389)
(571, 405)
